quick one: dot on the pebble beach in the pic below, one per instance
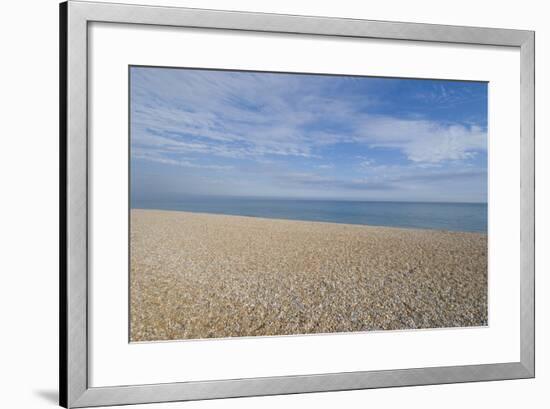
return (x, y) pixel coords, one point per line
(195, 275)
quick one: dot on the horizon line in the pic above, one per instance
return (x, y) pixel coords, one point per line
(286, 198)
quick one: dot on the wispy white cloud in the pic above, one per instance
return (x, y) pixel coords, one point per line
(383, 181)
(442, 95)
(365, 162)
(214, 121)
(186, 163)
(255, 115)
(422, 140)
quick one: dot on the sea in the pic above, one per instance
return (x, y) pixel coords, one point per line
(465, 217)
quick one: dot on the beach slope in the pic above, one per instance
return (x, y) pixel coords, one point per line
(196, 275)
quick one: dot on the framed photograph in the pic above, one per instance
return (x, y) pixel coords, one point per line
(259, 204)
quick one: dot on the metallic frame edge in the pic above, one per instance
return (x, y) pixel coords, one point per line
(74, 387)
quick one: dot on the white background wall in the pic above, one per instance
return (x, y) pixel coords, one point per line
(29, 202)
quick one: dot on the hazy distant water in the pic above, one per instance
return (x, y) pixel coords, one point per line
(470, 217)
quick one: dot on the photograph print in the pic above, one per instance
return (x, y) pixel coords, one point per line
(273, 204)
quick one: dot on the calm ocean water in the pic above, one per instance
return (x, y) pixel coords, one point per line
(470, 217)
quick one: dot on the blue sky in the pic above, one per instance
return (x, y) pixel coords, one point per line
(205, 132)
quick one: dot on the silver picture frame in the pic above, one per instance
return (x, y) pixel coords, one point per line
(75, 16)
